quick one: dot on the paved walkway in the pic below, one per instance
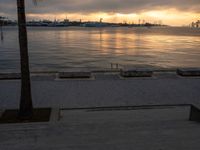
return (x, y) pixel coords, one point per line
(106, 90)
(154, 129)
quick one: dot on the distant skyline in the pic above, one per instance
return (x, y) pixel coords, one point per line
(170, 12)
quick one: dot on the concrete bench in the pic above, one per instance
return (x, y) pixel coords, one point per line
(188, 71)
(194, 113)
(136, 72)
(43, 76)
(10, 76)
(75, 73)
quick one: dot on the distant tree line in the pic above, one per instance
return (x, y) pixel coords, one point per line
(5, 21)
(196, 24)
(59, 23)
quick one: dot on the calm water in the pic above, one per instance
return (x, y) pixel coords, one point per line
(54, 49)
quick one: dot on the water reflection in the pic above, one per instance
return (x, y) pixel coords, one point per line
(59, 48)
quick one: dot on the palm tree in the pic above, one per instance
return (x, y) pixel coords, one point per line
(26, 107)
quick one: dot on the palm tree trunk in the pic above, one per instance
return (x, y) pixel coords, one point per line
(26, 107)
(1, 26)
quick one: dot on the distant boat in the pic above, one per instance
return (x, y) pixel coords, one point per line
(58, 24)
(36, 24)
(95, 24)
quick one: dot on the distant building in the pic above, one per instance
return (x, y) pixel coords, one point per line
(1, 20)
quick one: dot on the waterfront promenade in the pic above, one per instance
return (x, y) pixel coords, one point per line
(103, 89)
(152, 129)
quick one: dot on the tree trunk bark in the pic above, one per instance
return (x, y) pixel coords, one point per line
(1, 28)
(26, 107)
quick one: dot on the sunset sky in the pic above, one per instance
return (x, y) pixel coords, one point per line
(171, 12)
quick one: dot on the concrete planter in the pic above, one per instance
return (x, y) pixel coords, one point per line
(43, 76)
(188, 71)
(75, 73)
(136, 72)
(10, 76)
(194, 114)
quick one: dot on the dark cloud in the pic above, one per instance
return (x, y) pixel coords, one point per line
(88, 6)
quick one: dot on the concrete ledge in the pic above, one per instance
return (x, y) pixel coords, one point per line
(192, 111)
(10, 76)
(188, 71)
(1, 112)
(75, 73)
(133, 107)
(55, 114)
(194, 114)
(43, 76)
(136, 72)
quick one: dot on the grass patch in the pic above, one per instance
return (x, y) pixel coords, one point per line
(39, 115)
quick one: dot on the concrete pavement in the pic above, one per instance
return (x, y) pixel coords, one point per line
(85, 129)
(104, 90)
(152, 129)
